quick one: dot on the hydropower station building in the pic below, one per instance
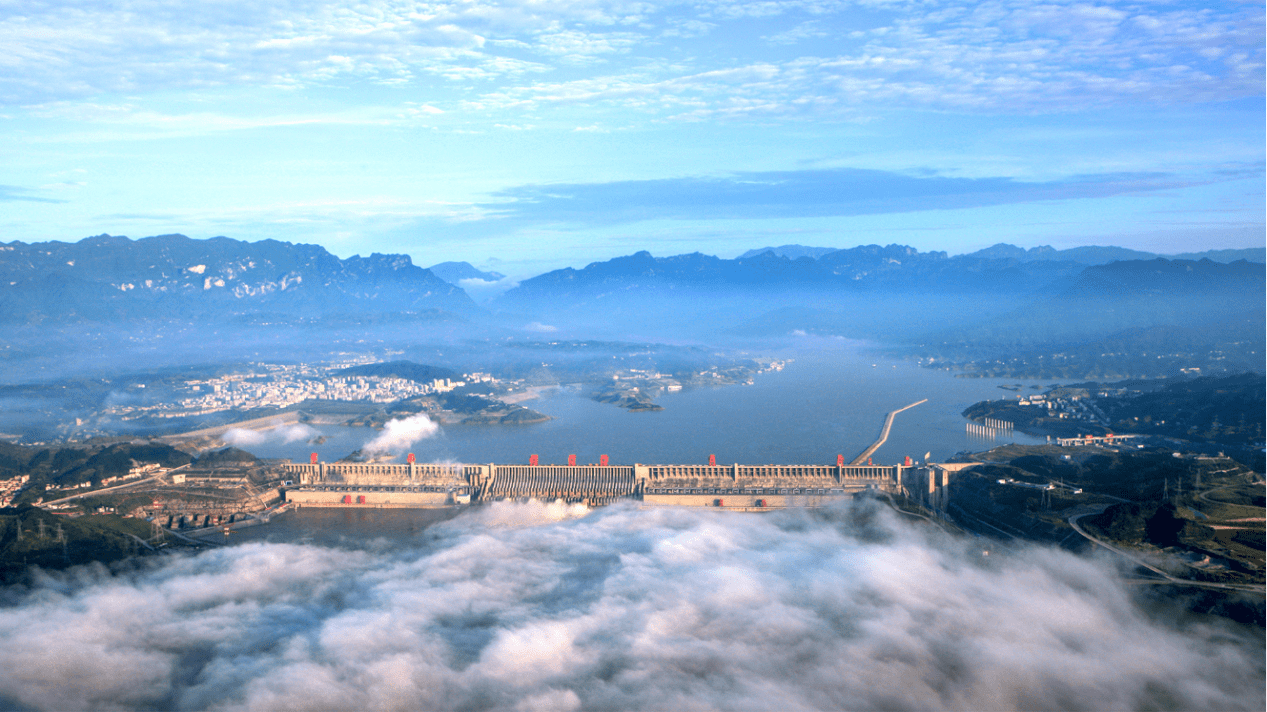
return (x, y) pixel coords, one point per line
(742, 487)
(734, 486)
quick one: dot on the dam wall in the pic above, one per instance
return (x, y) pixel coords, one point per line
(592, 484)
(341, 484)
(712, 485)
(380, 497)
(765, 476)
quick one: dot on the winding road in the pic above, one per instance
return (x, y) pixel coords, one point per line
(1073, 522)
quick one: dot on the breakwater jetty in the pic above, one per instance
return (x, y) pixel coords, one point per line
(884, 433)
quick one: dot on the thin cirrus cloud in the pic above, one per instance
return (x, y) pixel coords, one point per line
(789, 194)
(805, 57)
(1059, 60)
(70, 51)
(17, 193)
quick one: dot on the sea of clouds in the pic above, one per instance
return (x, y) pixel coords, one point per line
(553, 607)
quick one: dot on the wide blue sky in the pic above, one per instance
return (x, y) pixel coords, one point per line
(537, 134)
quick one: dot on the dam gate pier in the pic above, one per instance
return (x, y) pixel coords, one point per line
(733, 486)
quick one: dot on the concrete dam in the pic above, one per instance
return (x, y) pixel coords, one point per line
(743, 487)
(735, 486)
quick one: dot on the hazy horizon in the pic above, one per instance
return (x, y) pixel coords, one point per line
(525, 269)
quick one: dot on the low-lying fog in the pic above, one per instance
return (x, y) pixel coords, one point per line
(550, 607)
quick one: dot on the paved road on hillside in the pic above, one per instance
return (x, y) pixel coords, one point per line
(1073, 522)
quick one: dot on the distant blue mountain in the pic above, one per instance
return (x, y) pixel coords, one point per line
(1088, 255)
(1002, 269)
(1096, 255)
(791, 252)
(1249, 254)
(896, 289)
(1163, 278)
(864, 268)
(454, 272)
(113, 278)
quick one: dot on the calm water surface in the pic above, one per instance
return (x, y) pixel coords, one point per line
(826, 401)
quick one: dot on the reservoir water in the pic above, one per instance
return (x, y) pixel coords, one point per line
(830, 399)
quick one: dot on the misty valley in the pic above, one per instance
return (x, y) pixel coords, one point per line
(253, 475)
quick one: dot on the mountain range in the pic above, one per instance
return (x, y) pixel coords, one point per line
(1002, 311)
(872, 290)
(112, 278)
(1003, 270)
(1143, 317)
(1087, 255)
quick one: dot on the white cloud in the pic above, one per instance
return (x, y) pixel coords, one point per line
(399, 433)
(997, 55)
(412, 109)
(483, 291)
(577, 46)
(57, 51)
(687, 28)
(533, 606)
(803, 31)
(1000, 56)
(241, 437)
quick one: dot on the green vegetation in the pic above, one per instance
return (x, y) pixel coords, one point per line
(1226, 411)
(1032, 419)
(1162, 524)
(78, 464)
(509, 415)
(1200, 518)
(407, 370)
(228, 456)
(32, 537)
(630, 398)
(1222, 410)
(1151, 352)
(470, 408)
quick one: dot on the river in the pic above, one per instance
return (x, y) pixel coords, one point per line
(827, 401)
(830, 399)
